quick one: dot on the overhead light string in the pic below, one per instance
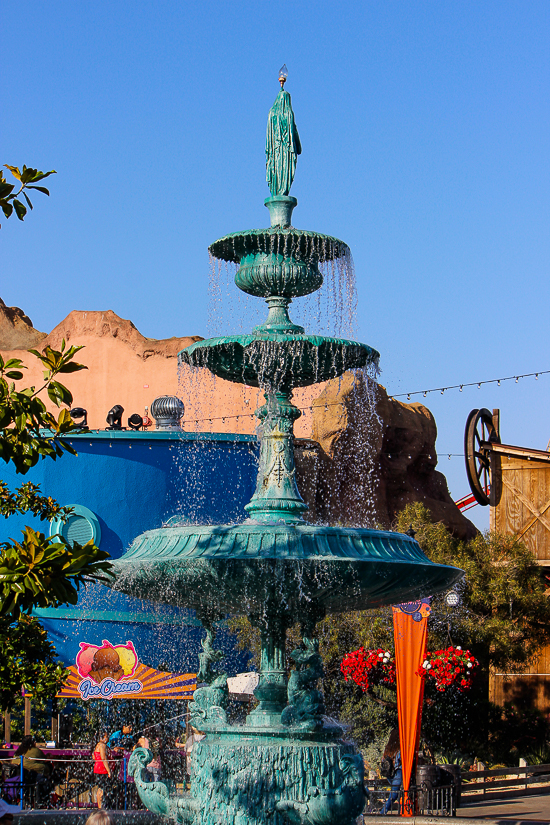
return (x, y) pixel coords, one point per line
(408, 395)
(477, 384)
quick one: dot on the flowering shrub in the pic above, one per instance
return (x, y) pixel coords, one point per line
(369, 667)
(449, 666)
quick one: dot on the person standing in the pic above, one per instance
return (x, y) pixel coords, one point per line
(102, 768)
(392, 752)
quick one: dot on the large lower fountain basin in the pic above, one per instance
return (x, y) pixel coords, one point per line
(240, 568)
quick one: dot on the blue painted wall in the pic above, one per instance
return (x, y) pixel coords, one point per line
(136, 481)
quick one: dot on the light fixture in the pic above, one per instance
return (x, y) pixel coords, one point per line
(135, 422)
(283, 74)
(452, 598)
(114, 417)
(79, 412)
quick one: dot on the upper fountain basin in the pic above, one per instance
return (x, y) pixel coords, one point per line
(289, 242)
(277, 361)
(279, 261)
(242, 568)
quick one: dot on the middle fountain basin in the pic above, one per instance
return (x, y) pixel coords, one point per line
(280, 361)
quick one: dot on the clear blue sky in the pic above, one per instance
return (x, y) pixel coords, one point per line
(426, 147)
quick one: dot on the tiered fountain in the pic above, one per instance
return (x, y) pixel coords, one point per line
(286, 764)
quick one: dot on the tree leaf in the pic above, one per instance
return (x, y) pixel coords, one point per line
(42, 175)
(27, 199)
(40, 189)
(14, 170)
(73, 367)
(20, 210)
(28, 174)
(6, 188)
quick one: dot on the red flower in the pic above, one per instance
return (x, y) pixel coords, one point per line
(368, 667)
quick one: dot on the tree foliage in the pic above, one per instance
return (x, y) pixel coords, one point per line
(28, 432)
(505, 616)
(27, 661)
(46, 572)
(28, 178)
(36, 571)
(39, 571)
(503, 619)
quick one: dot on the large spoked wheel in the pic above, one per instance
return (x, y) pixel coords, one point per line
(479, 434)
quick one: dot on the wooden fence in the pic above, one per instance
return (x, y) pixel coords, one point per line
(531, 779)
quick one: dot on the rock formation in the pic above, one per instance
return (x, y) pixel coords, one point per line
(375, 456)
(16, 329)
(361, 457)
(123, 365)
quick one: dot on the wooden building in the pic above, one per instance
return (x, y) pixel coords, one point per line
(520, 505)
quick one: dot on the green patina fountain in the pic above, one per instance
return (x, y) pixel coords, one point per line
(287, 763)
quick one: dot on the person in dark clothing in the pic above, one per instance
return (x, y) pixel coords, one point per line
(36, 770)
(393, 751)
(34, 760)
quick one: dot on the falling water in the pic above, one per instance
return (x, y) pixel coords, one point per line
(331, 310)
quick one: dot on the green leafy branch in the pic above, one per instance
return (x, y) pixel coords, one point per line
(28, 432)
(28, 499)
(28, 177)
(41, 572)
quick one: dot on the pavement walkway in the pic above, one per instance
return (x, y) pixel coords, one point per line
(519, 809)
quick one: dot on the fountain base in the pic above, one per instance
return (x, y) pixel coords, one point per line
(250, 777)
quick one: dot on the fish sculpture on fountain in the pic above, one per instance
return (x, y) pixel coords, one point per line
(286, 764)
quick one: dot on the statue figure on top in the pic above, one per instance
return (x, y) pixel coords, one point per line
(282, 145)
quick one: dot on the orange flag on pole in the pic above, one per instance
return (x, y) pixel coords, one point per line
(410, 625)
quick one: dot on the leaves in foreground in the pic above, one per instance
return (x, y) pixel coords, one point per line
(28, 178)
(46, 572)
(28, 431)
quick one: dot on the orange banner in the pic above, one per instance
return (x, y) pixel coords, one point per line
(410, 625)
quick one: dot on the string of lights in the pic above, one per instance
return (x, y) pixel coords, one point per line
(477, 384)
(408, 395)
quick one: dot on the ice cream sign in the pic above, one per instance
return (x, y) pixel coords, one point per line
(107, 670)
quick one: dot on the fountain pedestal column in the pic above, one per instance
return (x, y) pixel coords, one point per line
(272, 686)
(277, 497)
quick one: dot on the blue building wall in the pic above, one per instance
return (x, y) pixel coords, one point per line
(132, 482)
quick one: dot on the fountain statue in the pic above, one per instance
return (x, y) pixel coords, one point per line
(286, 763)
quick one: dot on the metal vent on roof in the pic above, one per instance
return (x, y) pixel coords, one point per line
(167, 410)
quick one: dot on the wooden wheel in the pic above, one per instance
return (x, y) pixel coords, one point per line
(479, 434)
